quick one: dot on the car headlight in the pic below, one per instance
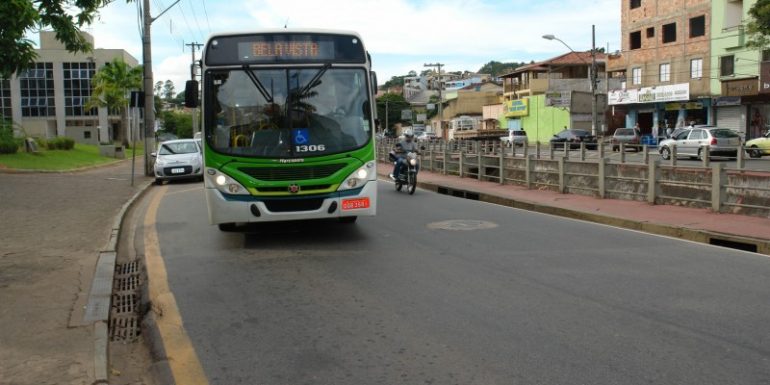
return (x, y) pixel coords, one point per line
(160, 161)
(224, 183)
(359, 177)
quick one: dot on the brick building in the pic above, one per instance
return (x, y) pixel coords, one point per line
(664, 65)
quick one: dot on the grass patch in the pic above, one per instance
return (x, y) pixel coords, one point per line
(82, 155)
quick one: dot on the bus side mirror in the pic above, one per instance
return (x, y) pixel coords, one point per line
(191, 94)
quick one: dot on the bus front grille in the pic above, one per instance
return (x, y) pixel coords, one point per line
(275, 174)
(289, 205)
(285, 189)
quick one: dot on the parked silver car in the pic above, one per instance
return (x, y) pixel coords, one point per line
(515, 138)
(178, 159)
(690, 142)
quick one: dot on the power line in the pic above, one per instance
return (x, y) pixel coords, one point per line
(195, 18)
(207, 15)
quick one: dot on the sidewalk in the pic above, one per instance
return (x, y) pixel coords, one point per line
(53, 226)
(694, 224)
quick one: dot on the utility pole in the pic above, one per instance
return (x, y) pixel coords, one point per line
(440, 100)
(594, 77)
(386, 116)
(193, 46)
(149, 97)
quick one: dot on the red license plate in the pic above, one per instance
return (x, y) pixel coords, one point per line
(355, 204)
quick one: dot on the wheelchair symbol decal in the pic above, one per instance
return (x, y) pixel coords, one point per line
(301, 136)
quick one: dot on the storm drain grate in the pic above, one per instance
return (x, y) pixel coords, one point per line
(125, 328)
(125, 322)
(129, 268)
(130, 283)
(124, 303)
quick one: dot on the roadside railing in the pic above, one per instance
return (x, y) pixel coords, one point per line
(740, 186)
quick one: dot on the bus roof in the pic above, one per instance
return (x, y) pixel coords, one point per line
(285, 30)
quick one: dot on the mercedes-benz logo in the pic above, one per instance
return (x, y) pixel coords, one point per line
(294, 188)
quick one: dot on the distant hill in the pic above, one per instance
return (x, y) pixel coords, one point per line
(496, 68)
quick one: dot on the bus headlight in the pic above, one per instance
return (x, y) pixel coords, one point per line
(359, 177)
(224, 183)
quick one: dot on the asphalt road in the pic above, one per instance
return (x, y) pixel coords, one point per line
(521, 298)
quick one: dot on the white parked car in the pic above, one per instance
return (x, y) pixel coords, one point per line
(691, 142)
(178, 159)
(515, 137)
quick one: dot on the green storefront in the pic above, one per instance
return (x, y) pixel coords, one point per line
(531, 114)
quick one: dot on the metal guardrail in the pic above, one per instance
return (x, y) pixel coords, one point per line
(607, 174)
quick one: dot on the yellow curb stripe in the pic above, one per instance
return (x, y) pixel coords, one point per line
(182, 359)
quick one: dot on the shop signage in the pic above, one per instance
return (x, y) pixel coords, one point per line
(743, 87)
(684, 106)
(558, 98)
(764, 77)
(667, 93)
(727, 101)
(516, 108)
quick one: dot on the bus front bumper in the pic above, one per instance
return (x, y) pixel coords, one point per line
(246, 208)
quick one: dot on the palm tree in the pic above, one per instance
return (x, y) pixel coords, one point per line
(111, 87)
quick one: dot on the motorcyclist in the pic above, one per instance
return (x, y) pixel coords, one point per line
(400, 150)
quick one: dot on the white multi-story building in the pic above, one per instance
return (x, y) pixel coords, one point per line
(48, 99)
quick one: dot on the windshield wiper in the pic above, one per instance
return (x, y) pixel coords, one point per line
(261, 88)
(315, 80)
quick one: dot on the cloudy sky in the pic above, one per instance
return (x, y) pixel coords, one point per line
(401, 35)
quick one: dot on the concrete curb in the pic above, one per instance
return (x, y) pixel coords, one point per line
(99, 298)
(695, 235)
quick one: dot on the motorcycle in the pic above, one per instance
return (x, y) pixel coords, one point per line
(408, 175)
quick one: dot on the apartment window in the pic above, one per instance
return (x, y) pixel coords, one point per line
(665, 72)
(733, 14)
(37, 93)
(766, 55)
(636, 4)
(650, 32)
(86, 134)
(635, 40)
(636, 76)
(696, 68)
(77, 88)
(669, 33)
(698, 26)
(5, 99)
(727, 65)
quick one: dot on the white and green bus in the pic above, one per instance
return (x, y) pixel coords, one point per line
(288, 126)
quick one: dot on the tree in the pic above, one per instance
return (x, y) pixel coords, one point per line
(496, 68)
(157, 87)
(758, 27)
(65, 17)
(177, 122)
(111, 87)
(395, 103)
(168, 90)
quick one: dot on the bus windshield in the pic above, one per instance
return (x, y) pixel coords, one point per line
(287, 113)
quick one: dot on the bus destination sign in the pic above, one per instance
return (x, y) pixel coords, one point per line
(261, 51)
(286, 48)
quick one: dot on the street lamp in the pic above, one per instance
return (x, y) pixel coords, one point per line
(593, 73)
